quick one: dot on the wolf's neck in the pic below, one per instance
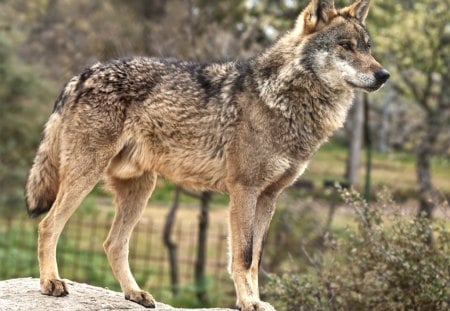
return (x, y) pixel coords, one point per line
(308, 105)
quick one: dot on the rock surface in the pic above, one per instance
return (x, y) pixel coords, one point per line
(24, 294)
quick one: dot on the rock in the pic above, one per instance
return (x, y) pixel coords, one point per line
(23, 294)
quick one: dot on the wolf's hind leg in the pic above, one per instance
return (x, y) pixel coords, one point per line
(78, 176)
(131, 196)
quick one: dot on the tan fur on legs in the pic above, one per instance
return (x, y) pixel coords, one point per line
(76, 182)
(131, 196)
(265, 209)
(242, 211)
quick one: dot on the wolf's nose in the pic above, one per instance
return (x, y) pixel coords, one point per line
(382, 75)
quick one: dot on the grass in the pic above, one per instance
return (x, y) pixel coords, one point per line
(394, 170)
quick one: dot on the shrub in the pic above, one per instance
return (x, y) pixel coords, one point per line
(291, 230)
(386, 263)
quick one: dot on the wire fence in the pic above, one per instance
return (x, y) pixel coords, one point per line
(81, 257)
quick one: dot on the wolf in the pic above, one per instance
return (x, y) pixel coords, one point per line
(246, 128)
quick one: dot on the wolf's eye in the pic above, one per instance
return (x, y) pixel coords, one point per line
(347, 45)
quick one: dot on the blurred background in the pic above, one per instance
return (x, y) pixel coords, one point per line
(366, 227)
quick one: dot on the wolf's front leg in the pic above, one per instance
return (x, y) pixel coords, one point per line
(244, 265)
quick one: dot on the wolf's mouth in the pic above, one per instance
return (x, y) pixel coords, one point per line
(365, 88)
(372, 88)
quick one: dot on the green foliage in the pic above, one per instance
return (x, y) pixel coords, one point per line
(17, 251)
(386, 263)
(18, 134)
(187, 296)
(290, 231)
(415, 44)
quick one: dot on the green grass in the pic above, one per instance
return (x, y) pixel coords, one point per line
(394, 170)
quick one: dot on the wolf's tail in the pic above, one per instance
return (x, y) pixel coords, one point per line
(43, 179)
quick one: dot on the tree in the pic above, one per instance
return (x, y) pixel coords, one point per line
(18, 126)
(355, 125)
(202, 237)
(420, 57)
(200, 262)
(170, 244)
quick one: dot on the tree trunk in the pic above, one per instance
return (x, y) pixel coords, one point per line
(200, 263)
(435, 122)
(191, 29)
(384, 124)
(427, 195)
(51, 13)
(424, 176)
(368, 143)
(356, 126)
(153, 12)
(171, 245)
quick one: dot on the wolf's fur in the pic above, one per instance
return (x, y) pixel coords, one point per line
(246, 128)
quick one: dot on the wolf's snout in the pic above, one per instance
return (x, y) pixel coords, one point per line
(382, 75)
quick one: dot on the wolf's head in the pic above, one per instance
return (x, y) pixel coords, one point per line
(335, 45)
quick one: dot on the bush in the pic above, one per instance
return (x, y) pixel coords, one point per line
(291, 229)
(386, 263)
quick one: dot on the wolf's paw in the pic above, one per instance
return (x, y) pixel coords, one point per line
(54, 287)
(141, 297)
(255, 305)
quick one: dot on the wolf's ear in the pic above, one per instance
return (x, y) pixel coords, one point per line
(358, 10)
(316, 15)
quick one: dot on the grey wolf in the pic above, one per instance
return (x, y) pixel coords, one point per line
(246, 128)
